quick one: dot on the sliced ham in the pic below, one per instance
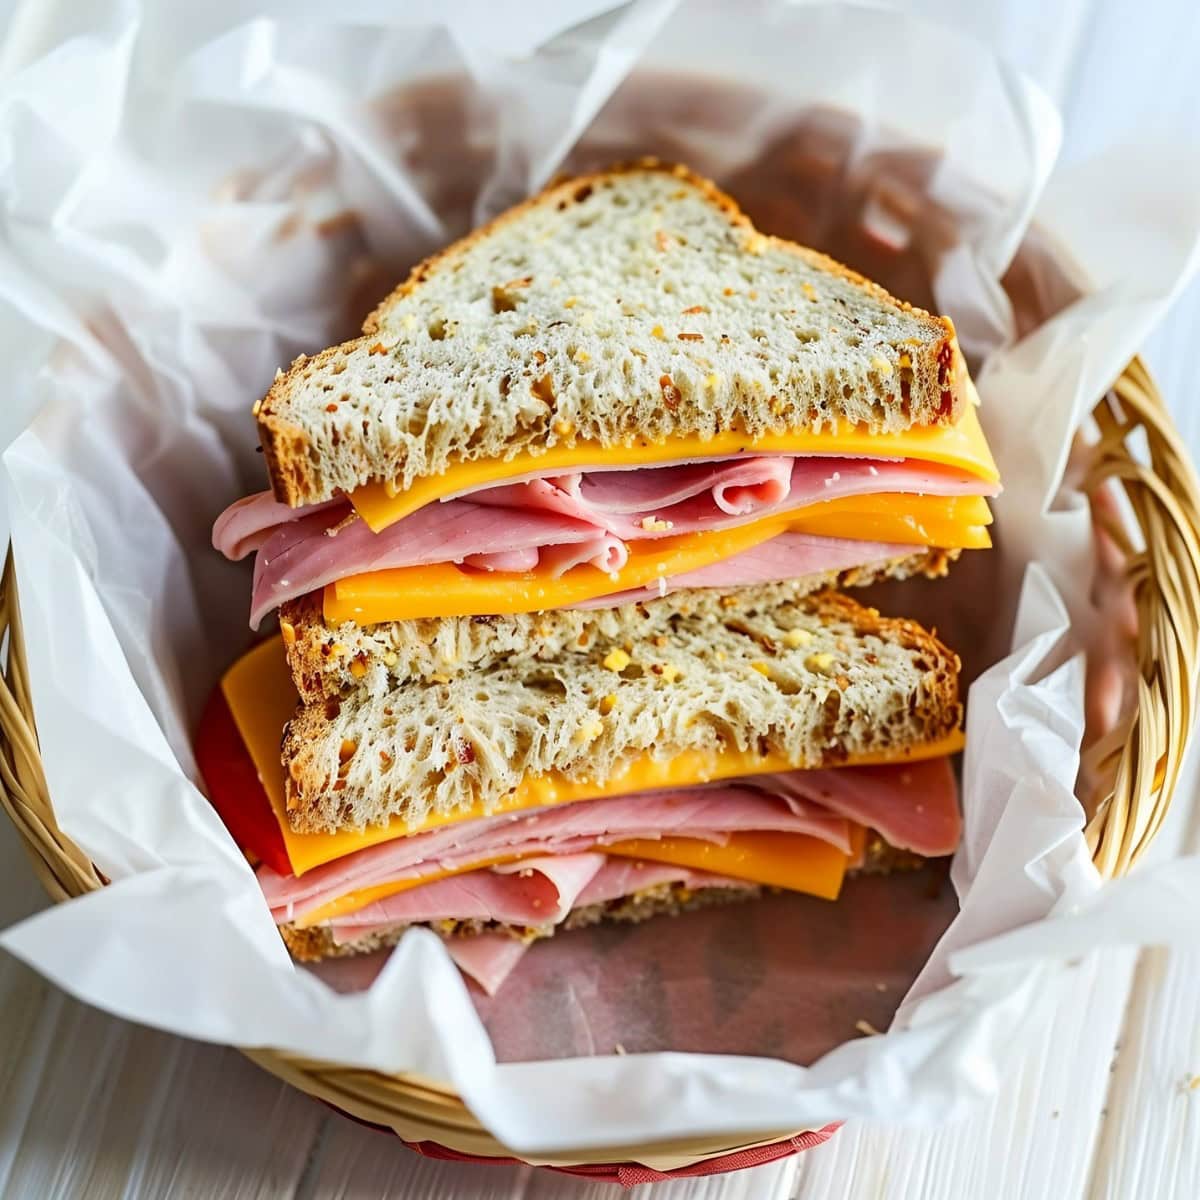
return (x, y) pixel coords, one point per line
(247, 523)
(304, 555)
(666, 501)
(622, 877)
(913, 805)
(787, 556)
(708, 813)
(488, 958)
(560, 521)
(537, 891)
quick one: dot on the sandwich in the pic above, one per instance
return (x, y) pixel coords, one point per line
(553, 549)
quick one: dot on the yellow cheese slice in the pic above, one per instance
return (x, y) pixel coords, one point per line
(787, 860)
(443, 590)
(262, 698)
(794, 861)
(962, 446)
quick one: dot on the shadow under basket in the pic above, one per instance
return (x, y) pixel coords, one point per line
(1137, 763)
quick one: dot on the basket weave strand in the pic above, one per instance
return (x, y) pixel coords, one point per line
(1145, 753)
(1141, 756)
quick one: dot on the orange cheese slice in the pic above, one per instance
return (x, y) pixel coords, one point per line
(261, 696)
(787, 860)
(443, 590)
(794, 861)
(962, 446)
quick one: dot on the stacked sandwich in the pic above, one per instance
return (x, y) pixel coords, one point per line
(553, 548)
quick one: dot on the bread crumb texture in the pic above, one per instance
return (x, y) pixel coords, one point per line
(681, 682)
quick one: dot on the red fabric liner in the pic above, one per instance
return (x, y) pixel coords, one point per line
(629, 1174)
(234, 789)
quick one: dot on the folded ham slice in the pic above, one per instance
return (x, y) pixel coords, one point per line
(489, 958)
(535, 891)
(247, 523)
(665, 501)
(306, 554)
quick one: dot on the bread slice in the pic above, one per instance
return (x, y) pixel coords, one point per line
(665, 899)
(636, 302)
(816, 678)
(331, 660)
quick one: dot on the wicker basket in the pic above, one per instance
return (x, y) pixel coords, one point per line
(1140, 758)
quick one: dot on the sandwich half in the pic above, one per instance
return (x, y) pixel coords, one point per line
(617, 390)
(786, 744)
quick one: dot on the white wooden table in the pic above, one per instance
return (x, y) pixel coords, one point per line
(1099, 1106)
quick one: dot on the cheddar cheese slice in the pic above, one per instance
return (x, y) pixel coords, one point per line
(787, 860)
(444, 590)
(962, 445)
(262, 698)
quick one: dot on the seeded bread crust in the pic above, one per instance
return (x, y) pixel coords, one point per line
(636, 302)
(329, 661)
(667, 899)
(816, 678)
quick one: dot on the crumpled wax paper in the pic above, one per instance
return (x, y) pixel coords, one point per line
(191, 195)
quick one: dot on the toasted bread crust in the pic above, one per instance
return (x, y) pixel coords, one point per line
(293, 460)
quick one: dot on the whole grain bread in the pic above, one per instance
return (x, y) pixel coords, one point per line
(636, 302)
(815, 678)
(666, 899)
(331, 660)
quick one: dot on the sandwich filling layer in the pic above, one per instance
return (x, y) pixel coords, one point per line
(528, 535)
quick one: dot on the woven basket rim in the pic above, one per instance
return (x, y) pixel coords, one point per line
(1142, 757)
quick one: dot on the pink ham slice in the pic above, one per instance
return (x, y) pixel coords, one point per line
(914, 805)
(707, 813)
(788, 556)
(536, 891)
(247, 523)
(665, 501)
(306, 554)
(488, 958)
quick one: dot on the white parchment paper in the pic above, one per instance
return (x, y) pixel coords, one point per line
(190, 195)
